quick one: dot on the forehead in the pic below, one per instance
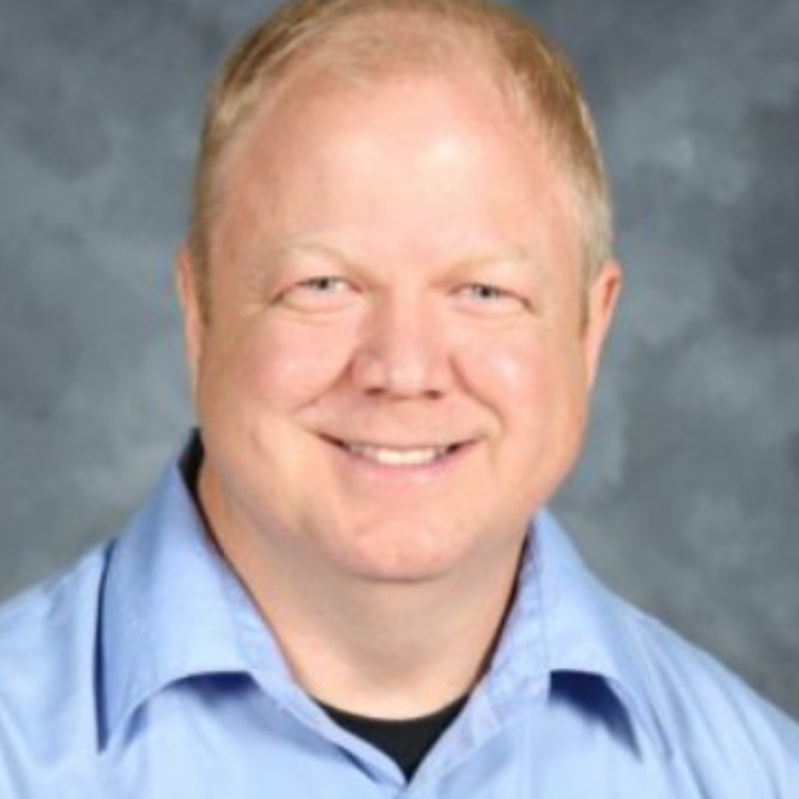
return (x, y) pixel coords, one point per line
(408, 168)
(283, 129)
(368, 51)
(317, 116)
(390, 153)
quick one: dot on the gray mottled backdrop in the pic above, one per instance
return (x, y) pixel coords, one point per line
(688, 497)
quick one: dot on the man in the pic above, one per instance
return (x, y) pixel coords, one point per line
(395, 291)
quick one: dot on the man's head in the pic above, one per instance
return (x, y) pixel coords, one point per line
(364, 41)
(393, 365)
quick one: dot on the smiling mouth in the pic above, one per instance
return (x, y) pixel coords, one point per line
(398, 456)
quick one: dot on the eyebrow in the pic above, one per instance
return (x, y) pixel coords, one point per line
(512, 253)
(516, 255)
(313, 246)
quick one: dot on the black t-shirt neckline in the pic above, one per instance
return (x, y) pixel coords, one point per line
(406, 741)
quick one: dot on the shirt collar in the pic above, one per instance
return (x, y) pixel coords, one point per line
(564, 621)
(172, 608)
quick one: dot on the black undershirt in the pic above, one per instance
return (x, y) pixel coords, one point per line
(405, 741)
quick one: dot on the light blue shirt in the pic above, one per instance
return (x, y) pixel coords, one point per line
(145, 671)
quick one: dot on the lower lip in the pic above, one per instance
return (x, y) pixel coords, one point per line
(404, 473)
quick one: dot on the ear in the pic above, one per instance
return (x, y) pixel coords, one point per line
(603, 295)
(191, 313)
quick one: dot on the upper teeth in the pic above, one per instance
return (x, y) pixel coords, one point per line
(397, 457)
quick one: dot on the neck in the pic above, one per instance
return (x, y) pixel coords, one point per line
(390, 652)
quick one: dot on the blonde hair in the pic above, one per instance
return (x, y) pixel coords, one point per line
(367, 37)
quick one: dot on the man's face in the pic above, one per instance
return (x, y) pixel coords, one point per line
(395, 373)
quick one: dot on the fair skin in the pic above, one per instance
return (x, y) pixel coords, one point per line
(394, 374)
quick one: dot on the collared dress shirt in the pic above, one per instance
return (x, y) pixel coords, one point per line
(146, 672)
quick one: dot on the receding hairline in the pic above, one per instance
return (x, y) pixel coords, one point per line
(371, 43)
(364, 41)
(364, 49)
(317, 74)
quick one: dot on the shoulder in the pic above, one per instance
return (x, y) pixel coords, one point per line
(710, 718)
(48, 617)
(48, 672)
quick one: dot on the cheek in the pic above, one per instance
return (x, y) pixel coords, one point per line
(528, 379)
(504, 372)
(287, 366)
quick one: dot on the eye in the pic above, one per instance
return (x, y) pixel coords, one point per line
(489, 298)
(321, 292)
(326, 284)
(486, 293)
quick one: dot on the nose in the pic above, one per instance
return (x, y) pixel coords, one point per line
(403, 351)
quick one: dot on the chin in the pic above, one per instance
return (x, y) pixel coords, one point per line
(404, 557)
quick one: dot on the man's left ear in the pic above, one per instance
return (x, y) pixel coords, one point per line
(602, 297)
(191, 314)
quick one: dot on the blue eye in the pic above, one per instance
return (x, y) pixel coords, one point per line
(487, 298)
(321, 293)
(326, 284)
(484, 291)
